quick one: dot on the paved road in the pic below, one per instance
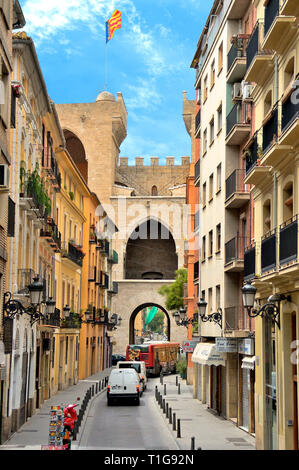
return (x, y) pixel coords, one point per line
(126, 426)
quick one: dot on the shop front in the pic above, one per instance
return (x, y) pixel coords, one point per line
(209, 380)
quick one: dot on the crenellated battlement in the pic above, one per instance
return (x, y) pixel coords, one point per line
(154, 161)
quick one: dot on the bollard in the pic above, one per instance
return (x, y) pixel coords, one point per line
(164, 407)
(161, 400)
(199, 448)
(92, 390)
(164, 389)
(174, 422)
(156, 392)
(96, 388)
(167, 410)
(192, 443)
(161, 378)
(179, 389)
(170, 415)
(177, 380)
(179, 428)
(99, 385)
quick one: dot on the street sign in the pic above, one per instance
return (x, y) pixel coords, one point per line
(226, 345)
(189, 346)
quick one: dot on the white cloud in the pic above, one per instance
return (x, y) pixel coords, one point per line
(143, 95)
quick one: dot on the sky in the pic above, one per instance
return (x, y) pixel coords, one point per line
(148, 61)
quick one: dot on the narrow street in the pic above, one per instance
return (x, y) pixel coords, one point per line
(126, 426)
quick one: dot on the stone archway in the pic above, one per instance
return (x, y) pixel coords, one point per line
(135, 313)
(132, 294)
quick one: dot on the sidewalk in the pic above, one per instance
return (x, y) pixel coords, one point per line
(211, 432)
(35, 432)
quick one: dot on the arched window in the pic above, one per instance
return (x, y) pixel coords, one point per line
(289, 72)
(154, 191)
(268, 103)
(267, 216)
(288, 201)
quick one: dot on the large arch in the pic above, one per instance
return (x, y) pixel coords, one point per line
(135, 313)
(76, 150)
(151, 252)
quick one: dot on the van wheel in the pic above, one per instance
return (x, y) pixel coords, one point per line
(138, 401)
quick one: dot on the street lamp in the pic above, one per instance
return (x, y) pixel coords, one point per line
(181, 318)
(270, 310)
(215, 317)
(66, 312)
(13, 307)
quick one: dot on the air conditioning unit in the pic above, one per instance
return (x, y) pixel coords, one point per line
(246, 90)
(4, 177)
(237, 91)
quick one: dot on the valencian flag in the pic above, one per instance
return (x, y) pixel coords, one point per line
(113, 24)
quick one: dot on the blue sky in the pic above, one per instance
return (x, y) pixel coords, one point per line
(148, 61)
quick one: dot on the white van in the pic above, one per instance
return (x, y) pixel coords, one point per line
(123, 383)
(139, 366)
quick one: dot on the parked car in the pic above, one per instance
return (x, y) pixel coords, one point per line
(139, 366)
(116, 358)
(123, 383)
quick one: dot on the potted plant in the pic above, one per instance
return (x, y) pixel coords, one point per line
(181, 368)
(72, 196)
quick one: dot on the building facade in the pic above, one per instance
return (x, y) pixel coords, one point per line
(271, 263)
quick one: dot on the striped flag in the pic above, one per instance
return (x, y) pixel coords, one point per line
(113, 24)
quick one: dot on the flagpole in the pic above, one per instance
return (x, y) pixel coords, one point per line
(106, 67)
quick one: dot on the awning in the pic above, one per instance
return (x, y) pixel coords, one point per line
(205, 353)
(248, 362)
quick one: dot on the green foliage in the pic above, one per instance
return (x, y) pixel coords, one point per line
(156, 325)
(72, 196)
(36, 187)
(181, 367)
(174, 293)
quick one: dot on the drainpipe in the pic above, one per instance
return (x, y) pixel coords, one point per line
(275, 173)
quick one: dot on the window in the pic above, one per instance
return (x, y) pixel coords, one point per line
(219, 116)
(204, 194)
(205, 88)
(212, 131)
(212, 74)
(210, 243)
(217, 297)
(220, 58)
(13, 108)
(203, 251)
(219, 177)
(211, 184)
(210, 299)
(205, 142)
(154, 191)
(218, 238)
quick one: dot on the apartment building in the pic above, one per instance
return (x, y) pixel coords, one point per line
(271, 263)
(223, 374)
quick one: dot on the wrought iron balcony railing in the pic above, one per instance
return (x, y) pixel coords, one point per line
(51, 233)
(288, 241)
(234, 249)
(271, 12)
(268, 251)
(235, 183)
(251, 155)
(73, 252)
(290, 110)
(270, 130)
(249, 262)
(236, 319)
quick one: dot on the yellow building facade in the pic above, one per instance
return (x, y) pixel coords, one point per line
(271, 264)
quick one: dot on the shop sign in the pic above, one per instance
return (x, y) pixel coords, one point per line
(246, 346)
(229, 345)
(189, 346)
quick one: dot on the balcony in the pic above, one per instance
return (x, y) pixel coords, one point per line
(237, 192)
(92, 274)
(31, 199)
(290, 7)
(113, 289)
(279, 29)
(197, 123)
(255, 174)
(234, 254)
(197, 173)
(92, 234)
(259, 63)
(273, 152)
(290, 119)
(238, 124)
(53, 320)
(103, 246)
(249, 262)
(72, 252)
(268, 251)
(49, 164)
(288, 242)
(73, 322)
(113, 257)
(52, 235)
(236, 322)
(236, 59)
(25, 278)
(251, 155)
(100, 279)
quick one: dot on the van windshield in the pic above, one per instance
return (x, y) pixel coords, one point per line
(130, 366)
